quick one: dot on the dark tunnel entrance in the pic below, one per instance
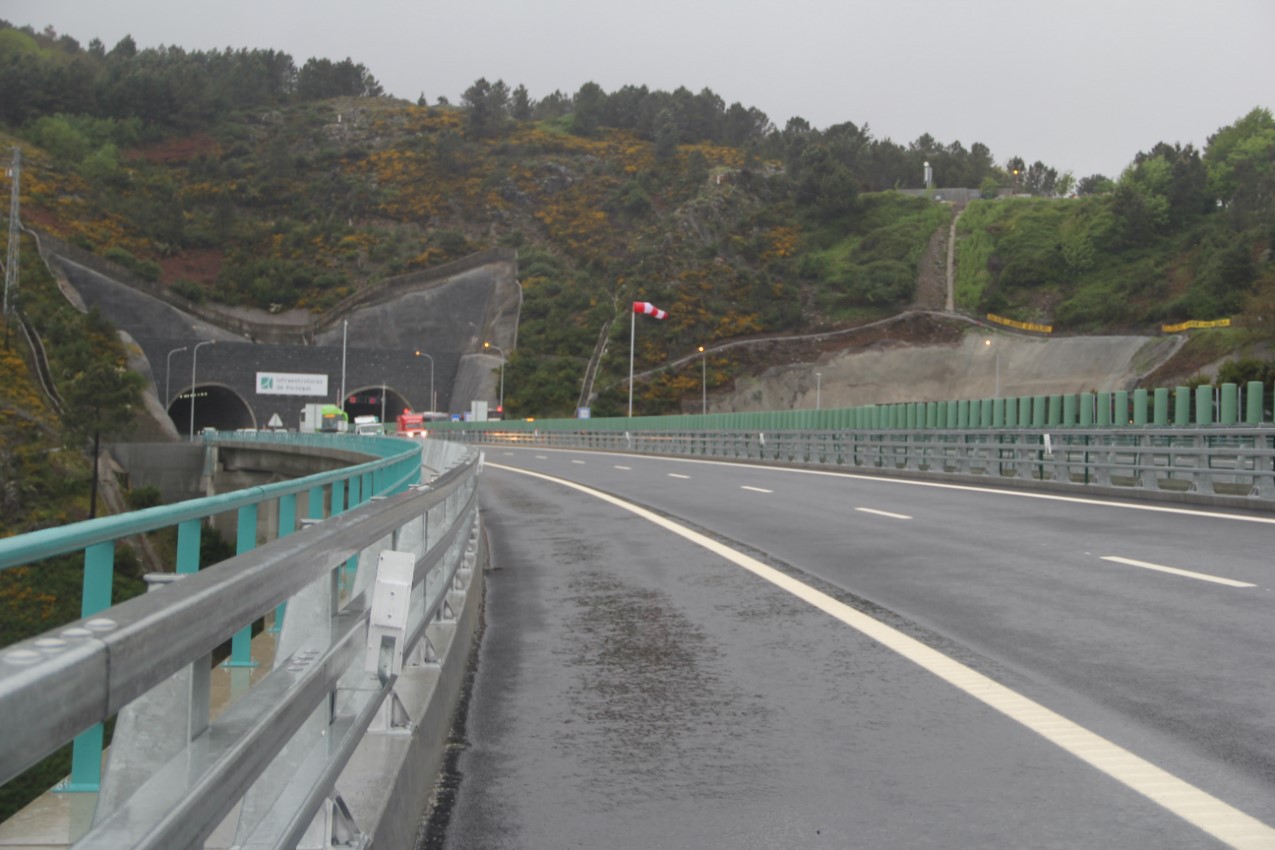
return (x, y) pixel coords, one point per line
(368, 402)
(215, 407)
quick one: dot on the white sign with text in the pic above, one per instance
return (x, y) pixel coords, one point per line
(291, 383)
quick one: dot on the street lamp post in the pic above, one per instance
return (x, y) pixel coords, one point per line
(433, 403)
(988, 343)
(194, 358)
(501, 404)
(345, 330)
(818, 391)
(703, 394)
(168, 371)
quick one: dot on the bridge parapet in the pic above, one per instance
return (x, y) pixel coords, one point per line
(285, 759)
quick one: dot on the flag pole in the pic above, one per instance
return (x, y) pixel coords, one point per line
(632, 334)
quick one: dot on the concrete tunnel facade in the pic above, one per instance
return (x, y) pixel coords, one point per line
(404, 342)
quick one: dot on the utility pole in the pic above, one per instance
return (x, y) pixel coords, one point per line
(11, 261)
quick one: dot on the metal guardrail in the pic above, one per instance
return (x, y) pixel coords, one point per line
(1217, 461)
(397, 466)
(174, 773)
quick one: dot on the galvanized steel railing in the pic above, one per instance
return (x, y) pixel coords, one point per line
(69, 681)
(1234, 461)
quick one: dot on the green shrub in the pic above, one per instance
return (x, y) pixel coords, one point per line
(188, 289)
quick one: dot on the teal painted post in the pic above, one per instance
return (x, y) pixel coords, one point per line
(1120, 408)
(951, 416)
(355, 491)
(1160, 415)
(1086, 410)
(188, 534)
(1011, 413)
(359, 494)
(245, 541)
(976, 413)
(1104, 410)
(1025, 410)
(314, 503)
(985, 418)
(998, 413)
(287, 525)
(963, 414)
(1182, 407)
(932, 415)
(1254, 403)
(1204, 405)
(86, 752)
(1230, 404)
(1038, 411)
(1069, 410)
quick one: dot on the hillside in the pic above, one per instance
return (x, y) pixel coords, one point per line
(236, 176)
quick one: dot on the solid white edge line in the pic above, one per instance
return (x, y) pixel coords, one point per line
(1229, 582)
(755, 489)
(1224, 822)
(677, 475)
(883, 513)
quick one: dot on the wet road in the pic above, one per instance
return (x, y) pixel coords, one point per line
(636, 689)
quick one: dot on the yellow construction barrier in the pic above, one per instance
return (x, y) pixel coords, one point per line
(1186, 326)
(1022, 326)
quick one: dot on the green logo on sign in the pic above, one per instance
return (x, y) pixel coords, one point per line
(267, 383)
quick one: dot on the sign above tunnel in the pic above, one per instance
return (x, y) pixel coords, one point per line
(291, 383)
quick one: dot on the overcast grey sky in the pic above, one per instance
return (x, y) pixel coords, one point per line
(1081, 84)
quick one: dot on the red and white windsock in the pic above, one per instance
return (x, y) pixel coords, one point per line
(646, 308)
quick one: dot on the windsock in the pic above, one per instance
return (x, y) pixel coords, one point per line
(646, 308)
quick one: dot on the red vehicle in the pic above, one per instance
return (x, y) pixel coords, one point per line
(411, 424)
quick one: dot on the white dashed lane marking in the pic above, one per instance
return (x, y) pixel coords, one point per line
(1229, 582)
(883, 513)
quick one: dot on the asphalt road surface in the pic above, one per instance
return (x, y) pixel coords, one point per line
(824, 660)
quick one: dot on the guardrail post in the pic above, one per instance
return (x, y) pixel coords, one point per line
(1069, 410)
(1144, 460)
(287, 525)
(1203, 479)
(86, 753)
(156, 726)
(1264, 467)
(188, 536)
(245, 541)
